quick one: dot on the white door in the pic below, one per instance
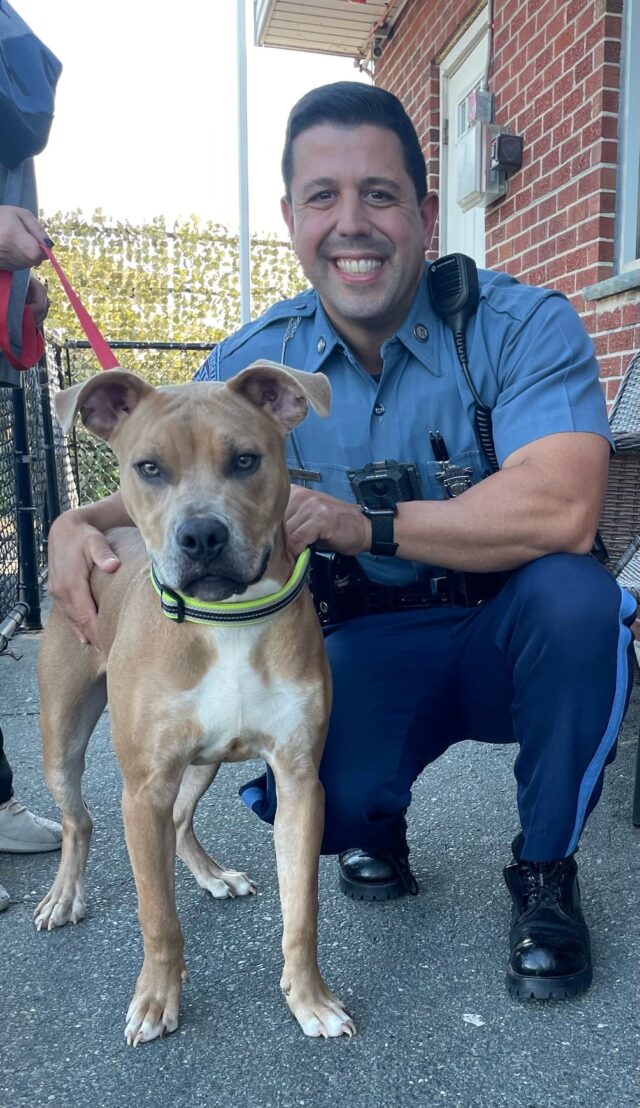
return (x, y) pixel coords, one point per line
(461, 71)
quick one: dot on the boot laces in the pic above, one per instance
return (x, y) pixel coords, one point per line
(542, 883)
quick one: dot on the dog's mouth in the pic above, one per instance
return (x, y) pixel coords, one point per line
(220, 586)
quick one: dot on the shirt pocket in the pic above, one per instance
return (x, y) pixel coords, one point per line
(433, 484)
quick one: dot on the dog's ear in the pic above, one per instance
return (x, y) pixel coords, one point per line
(285, 393)
(102, 401)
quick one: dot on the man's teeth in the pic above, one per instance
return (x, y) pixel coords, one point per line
(358, 265)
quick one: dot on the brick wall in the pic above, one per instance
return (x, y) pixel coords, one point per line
(556, 77)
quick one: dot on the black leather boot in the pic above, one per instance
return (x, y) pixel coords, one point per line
(382, 876)
(550, 949)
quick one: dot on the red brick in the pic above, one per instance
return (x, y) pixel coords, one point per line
(569, 148)
(583, 117)
(567, 195)
(566, 284)
(580, 164)
(612, 25)
(609, 153)
(559, 222)
(620, 340)
(607, 319)
(563, 131)
(611, 366)
(583, 68)
(612, 51)
(607, 201)
(554, 27)
(542, 146)
(532, 131)
(600, 345)
(610, 76)
(547, 207)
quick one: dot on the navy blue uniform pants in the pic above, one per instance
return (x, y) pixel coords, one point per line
(546, 664)
(6, 776)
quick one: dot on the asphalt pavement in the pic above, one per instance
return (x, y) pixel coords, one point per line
(423, 976)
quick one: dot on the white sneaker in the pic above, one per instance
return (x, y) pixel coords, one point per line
(23, 833)
(5, 899)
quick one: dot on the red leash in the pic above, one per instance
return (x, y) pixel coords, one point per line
(101, 348)
(33, 339)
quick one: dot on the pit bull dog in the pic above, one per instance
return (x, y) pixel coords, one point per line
(209, 650)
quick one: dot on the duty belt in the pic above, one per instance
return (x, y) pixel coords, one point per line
(433, 593)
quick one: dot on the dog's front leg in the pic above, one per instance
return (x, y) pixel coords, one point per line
(298, 834)
(147, 806)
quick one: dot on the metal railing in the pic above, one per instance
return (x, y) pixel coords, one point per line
(35, 485)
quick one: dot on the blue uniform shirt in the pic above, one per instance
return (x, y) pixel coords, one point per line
(529, 357)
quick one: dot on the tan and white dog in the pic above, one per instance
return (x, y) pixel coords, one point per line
(203, 475)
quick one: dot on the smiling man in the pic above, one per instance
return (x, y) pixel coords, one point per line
(459, 596)
(360, 236)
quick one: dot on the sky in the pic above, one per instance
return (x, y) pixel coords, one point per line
(146, 109)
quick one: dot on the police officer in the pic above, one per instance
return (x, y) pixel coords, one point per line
(426, 661)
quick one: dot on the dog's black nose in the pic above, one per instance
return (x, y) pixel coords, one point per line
(203, 538)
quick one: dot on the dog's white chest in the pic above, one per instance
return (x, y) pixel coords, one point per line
(236, 704)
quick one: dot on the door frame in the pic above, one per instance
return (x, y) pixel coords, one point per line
(450, 64)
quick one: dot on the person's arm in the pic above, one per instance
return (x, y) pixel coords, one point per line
(76, 547)
(20, 238)
(547, 498)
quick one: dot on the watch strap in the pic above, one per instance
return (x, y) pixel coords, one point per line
(381, 532)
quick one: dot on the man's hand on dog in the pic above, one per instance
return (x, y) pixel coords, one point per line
(75, 549)
(314, 517)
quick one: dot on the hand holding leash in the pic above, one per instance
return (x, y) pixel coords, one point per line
(20, 238)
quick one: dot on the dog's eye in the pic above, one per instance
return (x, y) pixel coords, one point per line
(246, 463)
(148, 469)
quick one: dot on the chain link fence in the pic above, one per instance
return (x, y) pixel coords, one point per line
(94, 465)
(36, 483)
(43, 474)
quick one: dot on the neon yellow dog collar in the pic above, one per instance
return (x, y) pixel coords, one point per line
(182, 608)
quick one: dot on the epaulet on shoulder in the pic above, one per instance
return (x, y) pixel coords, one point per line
(504, 294)
(303, 305)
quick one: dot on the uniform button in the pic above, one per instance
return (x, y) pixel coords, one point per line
(320, 346)
(379, 409)
(421, 333)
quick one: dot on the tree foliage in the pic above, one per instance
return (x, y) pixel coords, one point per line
(158, 283)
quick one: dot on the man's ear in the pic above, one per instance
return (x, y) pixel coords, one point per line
(287, 214)
(428, 215)
(284, 393)
(103, 401)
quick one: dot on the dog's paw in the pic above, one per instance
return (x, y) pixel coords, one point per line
(65, 904)
(226, 883)
(153, 1012)
(320, 1014)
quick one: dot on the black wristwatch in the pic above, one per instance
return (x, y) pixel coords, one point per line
(381, 530)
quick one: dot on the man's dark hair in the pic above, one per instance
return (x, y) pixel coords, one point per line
(351, 104)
